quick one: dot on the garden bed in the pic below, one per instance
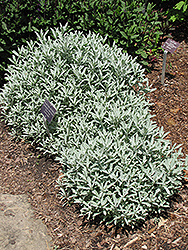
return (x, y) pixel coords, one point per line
(25, 170)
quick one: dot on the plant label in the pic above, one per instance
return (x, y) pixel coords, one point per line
(48, 111)
(170, 45)
(164, 66)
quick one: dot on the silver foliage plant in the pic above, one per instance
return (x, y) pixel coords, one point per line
(116, 163)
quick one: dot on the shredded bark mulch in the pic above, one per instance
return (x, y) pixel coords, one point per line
(24, 170)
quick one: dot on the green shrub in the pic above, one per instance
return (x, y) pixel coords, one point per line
(116, 163)
(20, 18)
(135, 28)
(176, 11)
(179, 12)
(133, 25)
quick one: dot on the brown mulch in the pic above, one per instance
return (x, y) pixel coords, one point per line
(24, 170)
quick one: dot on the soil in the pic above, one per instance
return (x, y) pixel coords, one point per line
(24, 170)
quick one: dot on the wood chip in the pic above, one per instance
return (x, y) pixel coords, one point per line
(144, 247)
(151, 230)
(112, 247)
(171, 122)
(177, 240)
(175, 111)
(162, 222)
(132, 241)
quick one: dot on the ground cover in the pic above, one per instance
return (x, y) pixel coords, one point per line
(25, 170)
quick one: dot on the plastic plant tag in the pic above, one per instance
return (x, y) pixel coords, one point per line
(164, 66)
(170, 45)
(48, 111)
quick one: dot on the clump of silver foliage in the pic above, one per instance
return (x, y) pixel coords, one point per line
(115, 161)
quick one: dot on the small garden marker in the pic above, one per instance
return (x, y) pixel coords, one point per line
(48, 112)
(169, 46)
